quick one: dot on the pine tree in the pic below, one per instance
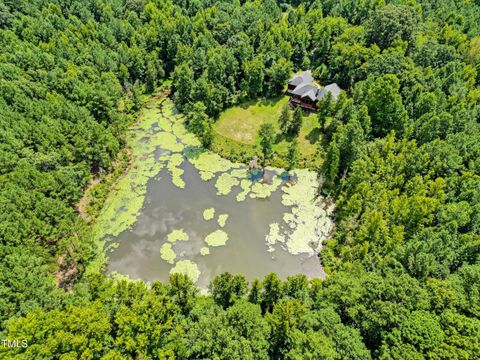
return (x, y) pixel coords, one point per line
(284, 119)
(292, 155)
(266, 142)
(296, 123)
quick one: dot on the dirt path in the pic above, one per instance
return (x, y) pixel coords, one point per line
(85, 200)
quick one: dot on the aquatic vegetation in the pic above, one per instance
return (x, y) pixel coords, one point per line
(217, 238)
(209, 213)
(208, 164)
(263, 190)
(188, 268)
(163, 123)
(177, 235)
(175, 160)
(245, 185)
(225, 183)
(222, 219)
(205, 250)
(187, 139)
(307, 218)
(193, 152)
(178, 129)
(123, 205)
(239, 173)
(167, 253)
(274, 236)
(168, 141)
(125, 201)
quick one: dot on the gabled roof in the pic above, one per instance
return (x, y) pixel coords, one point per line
(333, 89)
(303, 78)
(312, 94)
(303, 89)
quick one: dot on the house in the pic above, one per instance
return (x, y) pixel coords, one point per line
(305, 94)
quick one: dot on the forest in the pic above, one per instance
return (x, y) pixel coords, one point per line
(401, 152)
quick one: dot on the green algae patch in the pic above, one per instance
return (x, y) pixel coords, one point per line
(168, 141)
(126, 199)
(187, 139)
(245, 184)
(177, 235)
(274, 236)
(225, 183)
(239, 173)
(188, 268)
(264, 190)
(204, 251)
(308, 219)
(217, 238)
(208, 164)
(164, 123)
(167, 253)
(209, 213)
(174, 162)
(222, 220)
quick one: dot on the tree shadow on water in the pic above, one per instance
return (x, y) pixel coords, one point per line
(193, 152)
(255, 174)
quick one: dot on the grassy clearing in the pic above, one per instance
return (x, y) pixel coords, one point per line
(241, 123)
(237, 128)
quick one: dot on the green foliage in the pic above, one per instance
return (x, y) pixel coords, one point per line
(390, 23)
(292, 155)
(227, 288)
(266, 135)
(284, 120)
(296, 122)
(200, 124)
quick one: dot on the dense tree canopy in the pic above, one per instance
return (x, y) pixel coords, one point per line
(401, 146)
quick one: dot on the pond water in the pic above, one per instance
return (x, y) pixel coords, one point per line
(175, 199)
(168, 207)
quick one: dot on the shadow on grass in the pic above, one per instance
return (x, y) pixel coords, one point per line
(280, 136)
(260, 102)
(314, 135)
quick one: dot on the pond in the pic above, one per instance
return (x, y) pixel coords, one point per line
(181, 208)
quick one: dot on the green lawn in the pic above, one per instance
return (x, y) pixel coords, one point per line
(237, 128)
